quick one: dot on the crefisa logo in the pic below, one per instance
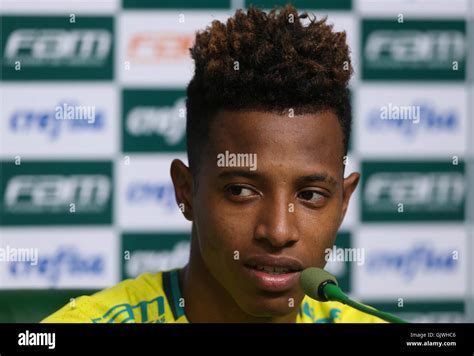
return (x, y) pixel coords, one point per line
(429, 120)
(67, 262)
(417, 260)
(67, 115)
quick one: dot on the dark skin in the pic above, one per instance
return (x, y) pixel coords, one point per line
(292, 205)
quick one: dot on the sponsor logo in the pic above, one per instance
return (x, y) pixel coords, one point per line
(51, 122)
(44, 47)
(65, 262)
(142, 260)
(154, 120)
(152, 48)
(149, 252)
(161, 194)
(429, 119)
(417, 49)
(413, 191)
(56, 193)
(417, 260)
(56, 47)
(141, 311)
(150, 121)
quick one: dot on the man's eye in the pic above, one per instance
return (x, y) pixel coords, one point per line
(240, 191)
(311, 196)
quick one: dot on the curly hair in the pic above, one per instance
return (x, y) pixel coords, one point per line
(267, 62)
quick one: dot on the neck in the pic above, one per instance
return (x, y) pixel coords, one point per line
(206, 300)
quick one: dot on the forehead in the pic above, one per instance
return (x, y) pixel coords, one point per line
(303, 142)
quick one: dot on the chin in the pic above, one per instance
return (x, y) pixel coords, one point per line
(266, 306)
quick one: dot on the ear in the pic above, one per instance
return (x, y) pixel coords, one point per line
(183, 184)
(349, 185)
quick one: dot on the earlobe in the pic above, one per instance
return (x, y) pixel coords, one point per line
(182, 182)
(349, 186)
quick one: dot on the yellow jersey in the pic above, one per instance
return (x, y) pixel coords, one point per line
(156, 298)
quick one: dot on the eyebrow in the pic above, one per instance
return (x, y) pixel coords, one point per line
(318, 177)
(312, 178)
(238, 174)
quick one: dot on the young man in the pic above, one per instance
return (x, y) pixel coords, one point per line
(268, 124)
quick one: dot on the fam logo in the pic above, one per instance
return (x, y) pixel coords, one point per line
(146, 311)
(154, 120)
(50, 47)
(56, 193)
(67, 115)
(413, 191)
(414, 50)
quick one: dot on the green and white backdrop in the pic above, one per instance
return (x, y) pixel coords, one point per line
(93, 196)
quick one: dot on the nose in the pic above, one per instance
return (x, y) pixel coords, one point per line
(276, 222)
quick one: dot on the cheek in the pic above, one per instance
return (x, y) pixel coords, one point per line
(320, 231)
(220, 234)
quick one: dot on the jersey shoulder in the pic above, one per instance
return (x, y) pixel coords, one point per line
(140, 300)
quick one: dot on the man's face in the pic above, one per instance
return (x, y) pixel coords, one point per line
(257, 226)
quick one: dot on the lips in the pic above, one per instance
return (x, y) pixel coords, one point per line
(271, 273)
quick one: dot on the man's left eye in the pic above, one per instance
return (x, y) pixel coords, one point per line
(237, 190)
(311, 195)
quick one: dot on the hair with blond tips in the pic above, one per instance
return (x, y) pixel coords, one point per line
(272, 61)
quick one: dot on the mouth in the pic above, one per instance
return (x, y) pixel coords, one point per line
(273, 274)
(271, 269)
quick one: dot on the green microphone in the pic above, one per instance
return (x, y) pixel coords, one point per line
(322, 286)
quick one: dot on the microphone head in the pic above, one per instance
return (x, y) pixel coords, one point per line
(313, 280)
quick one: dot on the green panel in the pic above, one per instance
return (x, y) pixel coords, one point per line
(303, 4)
(350, 145)
(53, 48)
(343, 240)
(175, 4)
(134, 246)
(153, 121)
(421, 307)
(41, 193)
(429, 191)
(413, 50)
(32, 306)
